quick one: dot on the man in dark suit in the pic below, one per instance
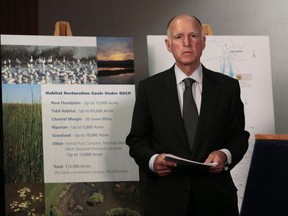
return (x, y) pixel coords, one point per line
(158, 129)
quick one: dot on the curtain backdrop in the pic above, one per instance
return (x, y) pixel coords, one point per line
(19, 17)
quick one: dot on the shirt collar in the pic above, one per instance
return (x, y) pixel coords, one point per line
(197, 75)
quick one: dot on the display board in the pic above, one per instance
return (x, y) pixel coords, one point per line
(67, 106)
(246, 58)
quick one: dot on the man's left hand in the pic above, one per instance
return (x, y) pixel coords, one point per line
(220, 158)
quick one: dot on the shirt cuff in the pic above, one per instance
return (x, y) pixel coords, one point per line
(151, 162)
(229, 158)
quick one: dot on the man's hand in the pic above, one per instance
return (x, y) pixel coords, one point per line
(218, 157)
(163, 167)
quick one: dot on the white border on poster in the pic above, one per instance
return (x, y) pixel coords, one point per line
(33, 40)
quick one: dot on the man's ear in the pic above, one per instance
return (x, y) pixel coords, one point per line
(204, 42)
(168, 45)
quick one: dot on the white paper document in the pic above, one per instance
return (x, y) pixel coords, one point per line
(183, 161)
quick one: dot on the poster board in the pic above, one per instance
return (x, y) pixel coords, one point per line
(67, 107)
(246, 58)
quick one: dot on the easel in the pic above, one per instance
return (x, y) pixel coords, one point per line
(207, 29)
(62, 28)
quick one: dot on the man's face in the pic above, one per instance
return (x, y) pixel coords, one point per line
(185, 41)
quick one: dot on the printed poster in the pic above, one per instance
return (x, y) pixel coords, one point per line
(67, 107)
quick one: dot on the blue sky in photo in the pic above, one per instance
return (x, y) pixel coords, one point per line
(21, 93)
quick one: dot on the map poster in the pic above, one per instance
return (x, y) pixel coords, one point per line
(67, 107)
(246, 58)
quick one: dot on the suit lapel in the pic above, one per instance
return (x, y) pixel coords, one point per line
(169, 96)
(210, 95)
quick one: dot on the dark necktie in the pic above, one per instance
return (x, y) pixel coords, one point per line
(190, 113)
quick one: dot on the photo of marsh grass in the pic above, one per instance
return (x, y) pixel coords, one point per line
(22, 133)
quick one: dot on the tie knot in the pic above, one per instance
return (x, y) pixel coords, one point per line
(188, 82)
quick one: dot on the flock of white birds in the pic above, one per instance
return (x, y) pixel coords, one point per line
(49, 71)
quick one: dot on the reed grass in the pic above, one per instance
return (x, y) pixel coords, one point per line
(23, 150)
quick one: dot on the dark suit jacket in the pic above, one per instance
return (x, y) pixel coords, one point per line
(157, 127)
